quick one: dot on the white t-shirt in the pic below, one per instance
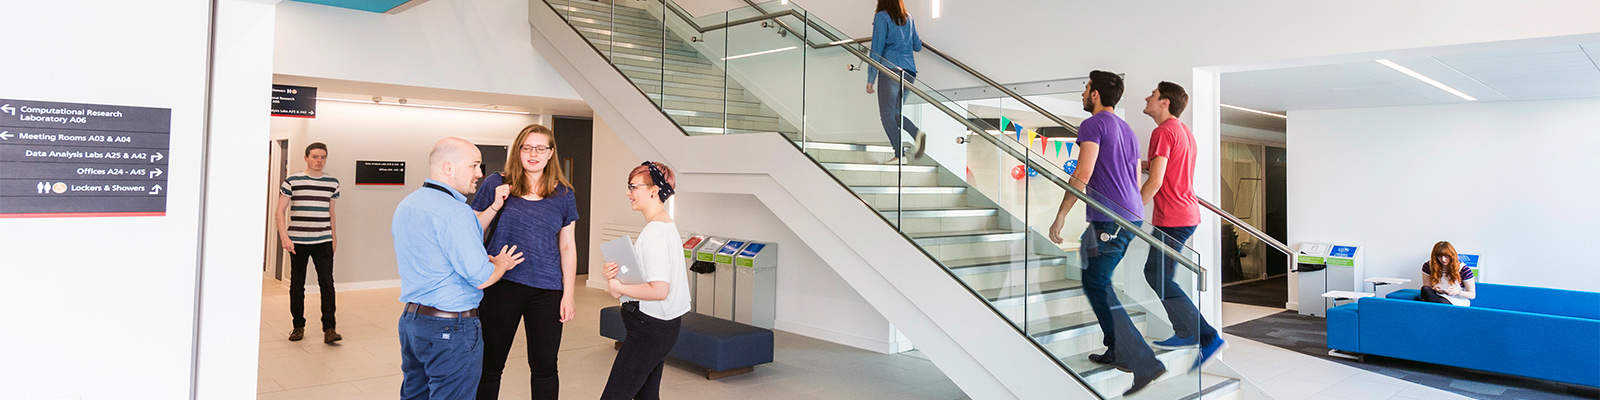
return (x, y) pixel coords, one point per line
(661, 260)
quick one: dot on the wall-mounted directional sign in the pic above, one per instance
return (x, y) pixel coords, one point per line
(294, 101)
(380, 172)
(83, 160)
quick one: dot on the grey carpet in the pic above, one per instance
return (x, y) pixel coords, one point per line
(1308, 335)
(1272, 292)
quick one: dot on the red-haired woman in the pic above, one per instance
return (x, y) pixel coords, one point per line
(1446, 279)
(650, 310)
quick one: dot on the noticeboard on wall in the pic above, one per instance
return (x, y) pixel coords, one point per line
(391, 173)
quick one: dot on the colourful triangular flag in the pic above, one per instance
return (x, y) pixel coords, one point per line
(1058, 148)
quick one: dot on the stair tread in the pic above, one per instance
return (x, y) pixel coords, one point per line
(980, 232)
(1046, 287)
(1080, 362)
(1057, 323)
(992, 260)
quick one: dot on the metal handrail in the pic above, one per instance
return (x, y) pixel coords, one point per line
(1050, 172)
(1257, 233)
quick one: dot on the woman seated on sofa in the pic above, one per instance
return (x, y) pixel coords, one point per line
(1446, 279)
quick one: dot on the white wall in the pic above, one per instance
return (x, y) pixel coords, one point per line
(353, 131)
(473, 45)
(1506, 180)
(110, 301)
(230, 311)
(1252, 135)
(812, 299)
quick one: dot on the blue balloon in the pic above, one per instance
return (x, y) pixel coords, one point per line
(1031, 172)
(1070, 166)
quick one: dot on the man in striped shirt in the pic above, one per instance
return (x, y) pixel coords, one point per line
(307, 199)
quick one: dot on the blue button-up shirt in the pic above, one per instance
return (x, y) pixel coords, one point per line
(439, 248)
(893, 44)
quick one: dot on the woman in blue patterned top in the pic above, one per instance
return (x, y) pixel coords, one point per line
(533, 208)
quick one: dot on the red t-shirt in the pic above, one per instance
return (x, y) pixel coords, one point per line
(1175, 202)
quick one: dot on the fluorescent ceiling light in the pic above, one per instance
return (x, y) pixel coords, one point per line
(1425, 79)
(423, 106)
(1255, 111)
(758, 53)
(936, 9)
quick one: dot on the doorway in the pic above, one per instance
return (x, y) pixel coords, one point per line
(575, 136)
(1253, 189)
(279, 154)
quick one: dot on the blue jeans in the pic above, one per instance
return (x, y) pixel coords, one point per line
(1100, 258)
(890, 96)
(442, 358)
(1158, 270)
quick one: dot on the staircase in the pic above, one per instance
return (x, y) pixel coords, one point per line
(974, 234)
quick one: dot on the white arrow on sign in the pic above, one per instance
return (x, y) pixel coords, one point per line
(8, 109)
(6, 135)
(155, 173)
(157, 190)
(156, 157)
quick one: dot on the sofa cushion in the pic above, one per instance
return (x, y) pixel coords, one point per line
(1537, 300)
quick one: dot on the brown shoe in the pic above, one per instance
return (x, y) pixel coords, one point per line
(297, 334)
(330, 336)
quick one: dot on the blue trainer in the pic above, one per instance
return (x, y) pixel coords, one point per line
(1207, 351)
(1175, 342)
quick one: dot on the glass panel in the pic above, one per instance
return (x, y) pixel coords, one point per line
(693, 80)
(766, 70)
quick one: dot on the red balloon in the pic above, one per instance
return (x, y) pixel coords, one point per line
(1018, 172)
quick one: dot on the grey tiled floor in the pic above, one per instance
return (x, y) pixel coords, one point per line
(366, 364)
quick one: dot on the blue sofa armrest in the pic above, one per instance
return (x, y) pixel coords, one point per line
(1344, 328)
(1404, 294)
(1541, 346)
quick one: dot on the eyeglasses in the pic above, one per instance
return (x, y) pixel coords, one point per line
(537, 150)
(632, 186)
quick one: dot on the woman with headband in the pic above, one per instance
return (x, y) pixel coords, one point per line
(650, 310)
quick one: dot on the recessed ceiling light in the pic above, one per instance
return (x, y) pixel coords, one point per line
(378, 100)
(1254, 111)
(1426, 79)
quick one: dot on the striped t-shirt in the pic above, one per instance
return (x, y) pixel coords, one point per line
(309, 198)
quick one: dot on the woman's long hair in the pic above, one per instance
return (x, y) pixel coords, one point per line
(517, 176)
(895, 8)
(1439, 271)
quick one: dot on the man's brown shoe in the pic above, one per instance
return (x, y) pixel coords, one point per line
(297, 334)
(330, 336)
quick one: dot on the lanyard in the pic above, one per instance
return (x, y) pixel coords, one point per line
(430, 185)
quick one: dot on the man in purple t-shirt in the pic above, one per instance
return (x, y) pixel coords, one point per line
(1108, 161)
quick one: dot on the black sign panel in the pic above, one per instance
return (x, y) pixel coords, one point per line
(294, 101)
(82, 160)
(380, 172)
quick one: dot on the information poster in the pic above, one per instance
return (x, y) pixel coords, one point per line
(380, 173)
(83, 160)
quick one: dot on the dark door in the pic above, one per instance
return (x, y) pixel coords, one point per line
(575, 142)
(1277, 208)
(494, 162)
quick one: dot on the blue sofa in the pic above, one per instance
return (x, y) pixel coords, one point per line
(1541, 333)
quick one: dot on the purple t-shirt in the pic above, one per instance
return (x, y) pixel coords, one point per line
(1115, 182)
(534, 226)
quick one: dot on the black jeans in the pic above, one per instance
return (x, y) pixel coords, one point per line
(503, 304)
(636, 373)
(1432, 296)
(1158, 269)
(322, 255)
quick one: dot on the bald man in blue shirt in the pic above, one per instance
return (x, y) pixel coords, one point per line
(443, 269)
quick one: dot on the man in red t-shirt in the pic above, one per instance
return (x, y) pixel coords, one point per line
(1171, 187)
